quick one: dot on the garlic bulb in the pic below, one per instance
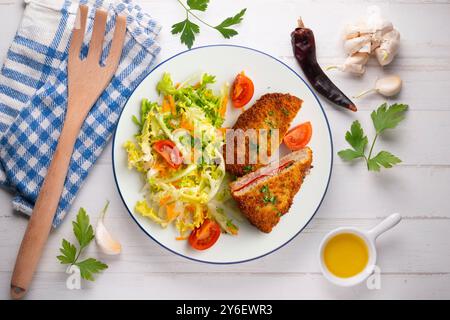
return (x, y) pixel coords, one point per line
(371, 34)
(387, 86)
(105, 241)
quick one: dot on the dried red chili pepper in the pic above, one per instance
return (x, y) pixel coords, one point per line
(304, 47)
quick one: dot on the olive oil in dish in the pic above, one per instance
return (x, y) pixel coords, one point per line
(346, 255)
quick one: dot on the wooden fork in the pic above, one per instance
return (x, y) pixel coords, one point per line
(86, 81)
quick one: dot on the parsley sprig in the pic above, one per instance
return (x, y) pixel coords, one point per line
(70, 254)
(189, 29)
(383, 118)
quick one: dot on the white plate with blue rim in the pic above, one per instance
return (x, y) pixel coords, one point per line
(268, 75)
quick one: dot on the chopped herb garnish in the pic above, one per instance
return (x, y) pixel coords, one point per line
(248, 168)
(270, 199)
(268, 196)
(264, 189)
(270, 113)
(231, 225)
(269, 123)
(285, 111)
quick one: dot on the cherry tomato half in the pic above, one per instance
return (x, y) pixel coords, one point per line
(169, 152)
(298, 137)
(242, 90)
(205, 236)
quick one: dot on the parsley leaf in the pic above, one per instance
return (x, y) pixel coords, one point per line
(388, 117)
(349, 154)
(383, 158)
(69, 253)
(223, 27)
(199, 5)
(383, 118)
(356, 138)
(188, 30)
(90, 266)
(82, 228)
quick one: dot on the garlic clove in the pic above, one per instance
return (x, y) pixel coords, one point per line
(367, 48)
(389, 86)
(104, 240)
(354, 45)
(356, 69)
(388, 48)
(354, 64)
(358, 58)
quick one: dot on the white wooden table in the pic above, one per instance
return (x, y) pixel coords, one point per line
(414, 258)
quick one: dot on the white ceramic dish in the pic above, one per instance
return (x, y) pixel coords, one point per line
(369, 237)
(268, 75)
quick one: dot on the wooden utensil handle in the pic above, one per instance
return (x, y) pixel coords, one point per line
(44, 210)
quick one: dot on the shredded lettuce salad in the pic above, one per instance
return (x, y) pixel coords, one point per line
(189, 115)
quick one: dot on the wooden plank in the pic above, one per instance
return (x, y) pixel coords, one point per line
(423, 62)
(414, 246)
(232, 286)
(414, 257)
(416, 42)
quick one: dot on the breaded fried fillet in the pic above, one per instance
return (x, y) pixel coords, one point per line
(266, 194)
(271, 111)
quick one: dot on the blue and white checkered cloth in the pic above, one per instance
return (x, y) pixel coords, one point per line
(33, 95)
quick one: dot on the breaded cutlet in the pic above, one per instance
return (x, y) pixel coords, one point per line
(265, 195)
(271, 111)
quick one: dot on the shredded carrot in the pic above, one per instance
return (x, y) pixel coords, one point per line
(177, 85)
(197, 85)
(165, 105)
(164, 200)
(223, 107)
(162, 169)
(186, 124)
(172, 105)
(171, 213)
(190, 208)
(176, 184)
(181, 238)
